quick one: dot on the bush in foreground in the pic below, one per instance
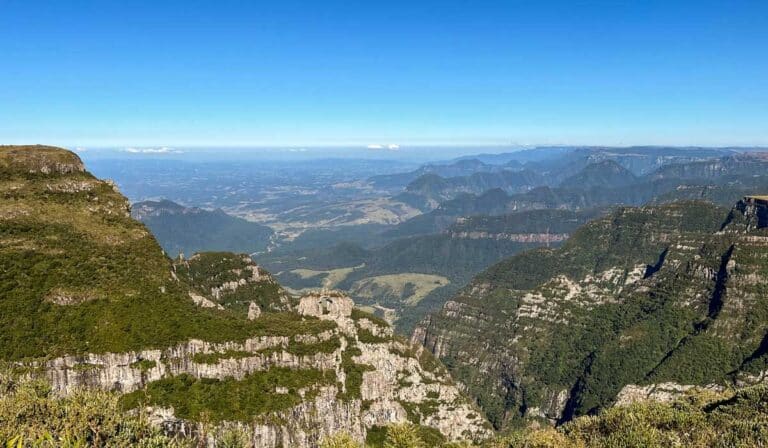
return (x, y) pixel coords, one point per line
(31, 415)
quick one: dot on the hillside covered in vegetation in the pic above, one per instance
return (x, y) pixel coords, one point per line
(643, 297)
(189, 230)
(89, 300)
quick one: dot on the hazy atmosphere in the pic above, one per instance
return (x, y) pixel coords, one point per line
(332, 224)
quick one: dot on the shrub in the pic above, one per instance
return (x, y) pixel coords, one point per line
(32, 415)
(404, 435)
(340, 440)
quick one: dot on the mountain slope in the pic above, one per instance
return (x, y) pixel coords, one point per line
(463, 167)
(604, 174)
(401, 271)
(438, 189)
(235, 282)
(88, 299)
(189, 230)
(735, 166)
(78, 274)
(641, 297)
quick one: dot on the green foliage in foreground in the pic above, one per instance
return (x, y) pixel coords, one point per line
(405, 435)
(229, 399)
(701, 420)
(698, 420)
(31, 415)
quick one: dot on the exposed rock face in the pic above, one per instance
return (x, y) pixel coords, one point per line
(326, 305)
(253, 311)
(124, 371)
(400, 381)
(310, 422)
(755, 210)
(640, 298)
(552, 406)
(203, 302)
(232, 281)
(111, 311)
(664, 392)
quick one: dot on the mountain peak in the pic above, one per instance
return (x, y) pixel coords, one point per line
(605, 173)
(39, 159)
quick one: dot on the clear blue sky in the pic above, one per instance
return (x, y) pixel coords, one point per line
(364, 72)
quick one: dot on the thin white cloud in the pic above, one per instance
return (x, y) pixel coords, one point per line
(391, 146)
(161, 150)
(81, 149)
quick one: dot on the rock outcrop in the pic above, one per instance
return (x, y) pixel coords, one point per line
(645, 303)
(232, 281)
(662, 393)
(326, 305)
(39, 159)
(96, 303)
(399, 381)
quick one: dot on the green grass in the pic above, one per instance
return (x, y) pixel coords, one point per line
(366, 336)
(144, 365)
(84, 244)
(120, 318)
(230, 399)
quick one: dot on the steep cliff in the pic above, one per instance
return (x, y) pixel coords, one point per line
(88, 298)
(287, 390)
(674, 293)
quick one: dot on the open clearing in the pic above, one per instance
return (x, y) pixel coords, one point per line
(409, 287)
(332, 277)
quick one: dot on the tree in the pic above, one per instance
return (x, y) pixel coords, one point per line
(403, 435)
(339, 440)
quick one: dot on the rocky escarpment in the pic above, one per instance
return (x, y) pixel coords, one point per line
(755, 211)
(95, 302)
(374, 378)
(544, 238)
(643, 298)
(40, 159)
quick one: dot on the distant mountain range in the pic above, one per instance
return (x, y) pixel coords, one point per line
(598, 184)
(189, 230)
(530, 312)
(463, 167)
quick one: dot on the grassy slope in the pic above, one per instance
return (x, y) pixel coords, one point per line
(199, 230)
(68, 234)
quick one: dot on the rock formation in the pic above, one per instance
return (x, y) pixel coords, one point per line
(646, 303)
(96, 303)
